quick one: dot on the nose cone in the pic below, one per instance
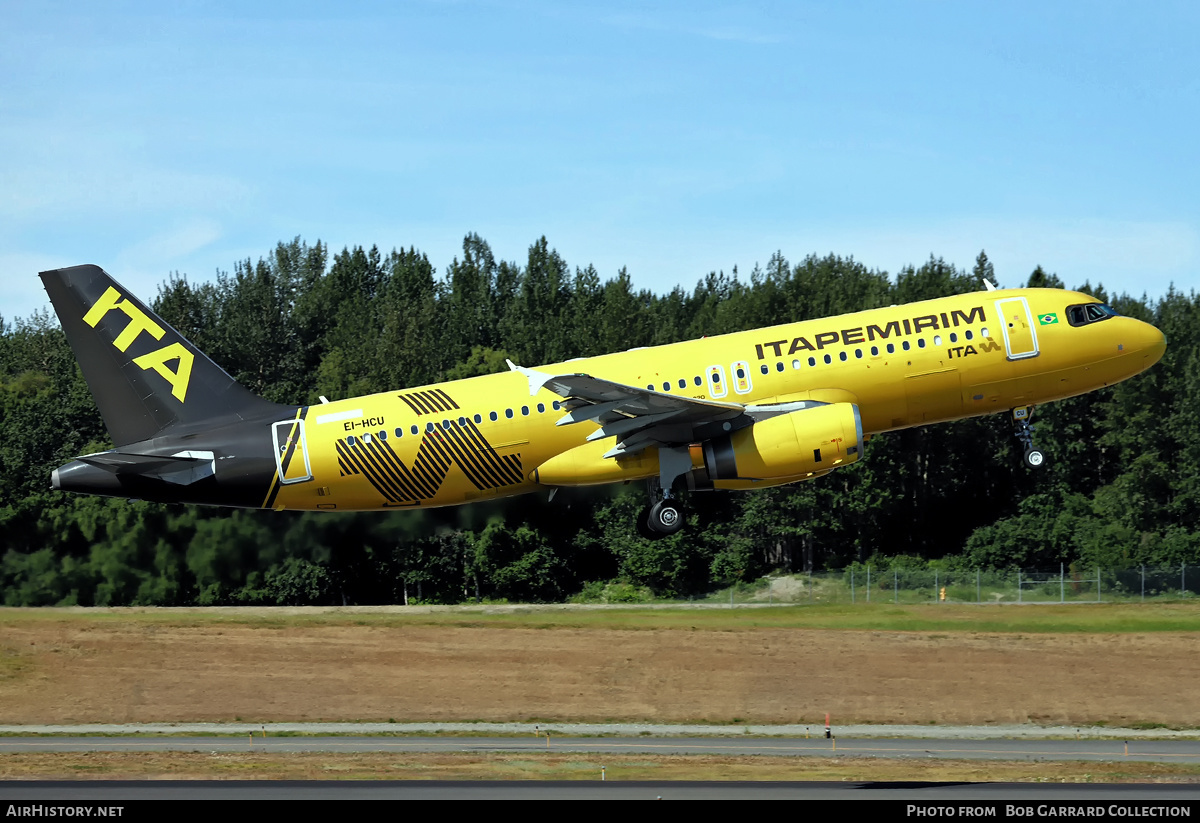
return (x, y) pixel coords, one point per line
(1150, 342)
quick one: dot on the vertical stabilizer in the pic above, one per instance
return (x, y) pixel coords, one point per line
(145, 376)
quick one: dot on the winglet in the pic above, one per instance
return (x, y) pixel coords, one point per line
(537, 379)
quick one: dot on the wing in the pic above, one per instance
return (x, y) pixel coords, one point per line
(640, 418)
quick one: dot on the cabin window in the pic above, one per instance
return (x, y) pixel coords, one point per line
(905, 345)
(682, 383)
(508, 413)
(891, 348)
(921, 343)
(382, 435)
(415, 429)
(795, 364)
(350, 440)
(556, 405)
(828, 359)
(937, 340)
(858, 353)
(399, 432)
(953, 337)
(697, 380)
(650, 387)
(812, 361)
(967, 334)
(842, 356)
(763, 368)
(874, 351)
(983, 332)
(525, 411)
(429, 426)
(478, 418)
(462, 421)
(492, 416)
(367, 437)
(445, 425)
(541, 408)
(779, 366)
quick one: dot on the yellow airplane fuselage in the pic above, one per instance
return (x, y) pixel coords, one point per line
(902, 366)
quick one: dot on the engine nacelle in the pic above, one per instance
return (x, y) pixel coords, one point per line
(783, 449)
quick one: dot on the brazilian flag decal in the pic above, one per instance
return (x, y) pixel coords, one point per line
(1047, 319)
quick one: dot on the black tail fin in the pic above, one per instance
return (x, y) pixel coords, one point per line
(145, 376)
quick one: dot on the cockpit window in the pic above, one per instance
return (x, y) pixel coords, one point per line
(1089, 313)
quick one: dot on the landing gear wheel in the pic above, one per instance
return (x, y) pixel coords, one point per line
(1034, 458)
(665, 518)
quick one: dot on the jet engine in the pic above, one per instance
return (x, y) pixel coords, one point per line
(782, 449)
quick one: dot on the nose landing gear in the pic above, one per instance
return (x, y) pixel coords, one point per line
(1034, 457)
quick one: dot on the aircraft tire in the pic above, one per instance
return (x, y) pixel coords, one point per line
(665, 518)
(643, 525)
(1035, 458)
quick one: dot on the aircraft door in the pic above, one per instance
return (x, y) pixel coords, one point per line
(291, 451)
(1020, 339)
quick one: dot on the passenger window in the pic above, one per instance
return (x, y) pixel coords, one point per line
(462, 421)
(415, 429)
(399, 432)
(812, 361)
(445, 425)
(697, 380)
(555, 405)
(429, 426)
(905, 345)
(842, 356)
(937, 340)
(967, 334)
(541, 408)
(382, 435)
(763, 368)
(682, 383)
(953, 337)
(795, 364)
(874, 351)
(828, 359)
(492, 416)
(350, 440)
(525, 411)
(508, 413)
(858, 353)
(666, 386)
(367, 437)
(891, 348)
(478, 418)
(921, 343)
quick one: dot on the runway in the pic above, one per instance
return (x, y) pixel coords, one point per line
(1154, 751)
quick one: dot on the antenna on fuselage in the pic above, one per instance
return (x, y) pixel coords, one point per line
(988, 284)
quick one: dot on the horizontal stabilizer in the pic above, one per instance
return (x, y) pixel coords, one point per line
(182, 468)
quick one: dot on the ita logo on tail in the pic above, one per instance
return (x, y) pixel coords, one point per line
(138, 324)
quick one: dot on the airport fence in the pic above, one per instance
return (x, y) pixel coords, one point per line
(862, 584)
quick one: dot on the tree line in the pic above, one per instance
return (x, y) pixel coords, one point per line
(1121, 486)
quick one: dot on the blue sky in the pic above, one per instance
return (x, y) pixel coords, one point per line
(673, 138)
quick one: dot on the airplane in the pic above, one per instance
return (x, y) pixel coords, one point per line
(740, 411)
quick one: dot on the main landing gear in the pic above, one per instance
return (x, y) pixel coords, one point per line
(661, 518)
(1034, 457)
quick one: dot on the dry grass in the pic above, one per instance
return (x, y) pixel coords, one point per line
(528, 766)
(730, 666)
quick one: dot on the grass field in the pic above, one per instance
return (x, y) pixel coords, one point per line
(1116, 665)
